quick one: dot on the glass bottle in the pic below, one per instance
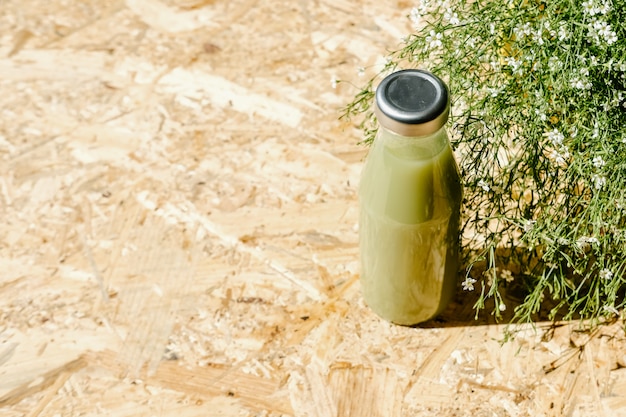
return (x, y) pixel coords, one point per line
(410, 199)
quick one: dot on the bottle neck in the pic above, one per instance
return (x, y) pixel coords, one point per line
(413, 147)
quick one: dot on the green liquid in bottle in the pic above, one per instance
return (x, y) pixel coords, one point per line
(410, 197)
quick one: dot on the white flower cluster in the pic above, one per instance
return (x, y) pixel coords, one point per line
(599, 181)
(560, 157)
(416, 13)
(600, 31)
(494, 91)
(555, 137)
(560, 153)
(585, 243)
(515, 64)
(564, 32)
(593, 8)
(415, 16)
(424, 7)
(554, 64)
(522, 31)
(618, 99)
(598, 162)
(591, 240)
(606, 274)
(536, 34)
(581, 80)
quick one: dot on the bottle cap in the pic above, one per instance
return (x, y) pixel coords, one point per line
(412, 103)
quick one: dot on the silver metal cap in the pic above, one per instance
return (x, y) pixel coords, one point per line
(412, 103)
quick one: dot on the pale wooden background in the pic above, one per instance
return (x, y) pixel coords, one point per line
(179, 233)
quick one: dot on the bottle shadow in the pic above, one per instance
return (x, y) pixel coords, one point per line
(461, 311)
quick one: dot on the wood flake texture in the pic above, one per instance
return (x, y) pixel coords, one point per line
(180, 228)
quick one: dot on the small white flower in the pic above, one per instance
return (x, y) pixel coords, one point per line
(361, 71)
(589, 7)
(493, 92)
(529, 224)
(468, 284)
(563, 32)
(506, 275)
(601, 26)
(604, 8)
(617, 99)
(600, 30)
(598, 162)
(580, 83)
(555, 137)
(554, 63)
(542, 116)
(434, 39)
(604, 30)
(606, 274)
(513, 63)
(548, 28)
(610, 309)
(584, 243)
(599, 181)
(522, 31)
(502, 307)
(483, 184)
(334, 81)
(415, 15)
(560, 157)
(593, 8)
(453, 18)
(593, 36)
(596, 132)
(611, 38)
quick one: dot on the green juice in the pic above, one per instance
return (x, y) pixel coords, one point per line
(410, 197)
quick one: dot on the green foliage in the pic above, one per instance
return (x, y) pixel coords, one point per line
(539, 128)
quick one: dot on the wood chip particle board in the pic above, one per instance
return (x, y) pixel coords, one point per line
(179, 233)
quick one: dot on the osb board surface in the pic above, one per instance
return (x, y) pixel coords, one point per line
(179, 228)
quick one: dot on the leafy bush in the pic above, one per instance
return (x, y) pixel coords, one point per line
(539, 128)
